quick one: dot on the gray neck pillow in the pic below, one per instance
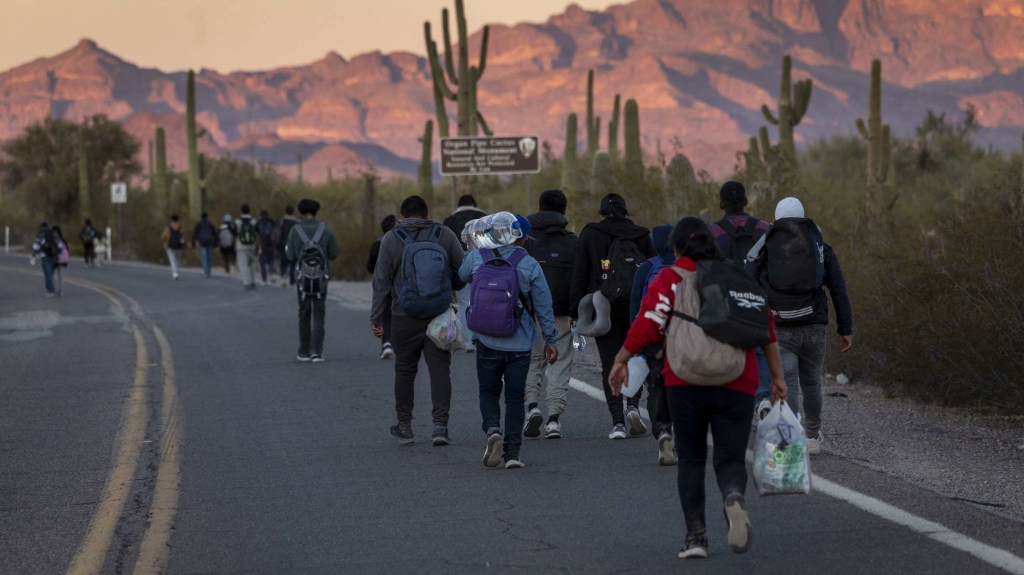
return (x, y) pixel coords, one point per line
(595, 315)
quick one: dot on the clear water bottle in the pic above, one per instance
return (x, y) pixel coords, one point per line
(493, 231)
(579, 343)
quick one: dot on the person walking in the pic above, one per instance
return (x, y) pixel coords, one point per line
(265, 230)
(247, 248)
(554, 248)
(794, 253)
(88, 235)
(226, 234)
(45, 248)
(397, 277)
(609, 253)
(465, 212)
(204, 239)
(312, 303)
(284, 228)
(386, 349)
(725, 409)
(503, 358)
(63, 258)
(174, 244)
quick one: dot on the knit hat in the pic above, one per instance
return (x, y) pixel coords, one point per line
(308, 206)
(613, 200)
(524, 225)
(789, 208)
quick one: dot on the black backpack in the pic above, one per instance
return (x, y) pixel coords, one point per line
(794, 270)
(555, 251)
(48, 245)
(732, 305)
(741, 239)
(618, 271)
(312, 271)
(174, 240)
(88, 234)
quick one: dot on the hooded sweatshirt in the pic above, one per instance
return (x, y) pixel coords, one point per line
(460, 217)
(595, 243)
(662, 238)
(544, 225)
(389, 264)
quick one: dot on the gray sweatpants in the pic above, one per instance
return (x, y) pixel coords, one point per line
(556, 375)
(803, 357)
(247, 265)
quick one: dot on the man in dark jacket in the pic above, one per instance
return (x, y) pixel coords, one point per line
(312, 310)
(465, 212)
(554, 247)
(386, 225)
(284, 228)
(204, 239)
(265, 230)
(88, 236)
(594, 268)
(802, 335)
(409, 334)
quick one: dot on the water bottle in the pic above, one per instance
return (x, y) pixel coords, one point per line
(638, 370)
(493, 231)
(579, 343)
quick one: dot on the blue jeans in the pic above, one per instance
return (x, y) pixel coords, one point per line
(206, 259)
(491, 367)
(286, 268)
(266, 264)
(48, 264)
(764, 377)
(803, 358)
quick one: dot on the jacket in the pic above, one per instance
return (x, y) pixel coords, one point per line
(661, 236)
(532, 287)
(265, 231)
(595, 243)
(204, 234)
(371, 260)
(285, 224)
(389, 264)
(459, 218)
(293, 248)
(542, 223)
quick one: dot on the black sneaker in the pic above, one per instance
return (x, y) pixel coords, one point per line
(533, 422)
(316, 358)
(440, 435)
(696, 547)
(512, 461)
(403, 432)
(739, 523)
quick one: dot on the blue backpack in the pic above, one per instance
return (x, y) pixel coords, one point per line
(495, 302)
(425, 286)
(657, 264)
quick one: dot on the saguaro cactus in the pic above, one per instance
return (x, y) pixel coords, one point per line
(875, 132)
(298, 169)
(160, 188)
(793, 101)
(634, 159)
(463, 78)
(593, 123)
(680, 183)
(601, 175)
(84, 197)
(195, 199)
(613, 132)
(426, 169)
(569, 166)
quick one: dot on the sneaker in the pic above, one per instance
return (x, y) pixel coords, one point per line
(304, 357)
(403, 432)
(316, 358)
(175, 276)
(814, 444)
(386, 352)
(636, 423)
(533, 422)
(739, 524)
(666, 449)
(440, 435)
(512, 461)
(763, 408)
(492, 454)
(51, 294)
(553, 430)
(618, 431)
(696, 547)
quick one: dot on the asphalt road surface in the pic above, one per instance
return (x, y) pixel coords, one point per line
(150, 425)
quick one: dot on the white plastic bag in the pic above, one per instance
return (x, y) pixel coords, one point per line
(781, 465)
(446, 330)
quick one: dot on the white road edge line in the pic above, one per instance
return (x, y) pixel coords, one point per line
(992, 555)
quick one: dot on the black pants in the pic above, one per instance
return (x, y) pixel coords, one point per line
(727, 412)
(90, 253)
(386, 338)
(228, 253)
(657, 403)
(608, 346)
(409, 338)
(311, 325)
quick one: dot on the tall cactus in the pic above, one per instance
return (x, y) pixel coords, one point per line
(160, 187)
(680, 184)
(634, 158)
(793, 102)
(84, 197)
(195, 199)
(875, 132)
(593, 123)
(463, 78)
(613, 132)
(298, 169)
(601, 175)
(426, 169)
(569, 165)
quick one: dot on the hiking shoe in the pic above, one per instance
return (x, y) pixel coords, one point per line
(763, 408)
(636, 423)
(553, 430)
(304, 357)
(696, 547)
(666, 449)
(316, 358)
(386, 352)
(534, 420)
(814, 444)
(739, 524)
(492, 453)
(618, 431)
(440, 435)
(512, 461)
(403, 432)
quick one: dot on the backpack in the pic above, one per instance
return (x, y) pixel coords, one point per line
(174, 240)
(618, 271)
(48, 244)
(312, 271)
(206, 234)
(495, 303)
(733, 307)
(692, 354)
(741, 239)
(425, 286)
(657, 264)
(63, 257)
(227, 239)
(247, 232)
(794, 270)
(555, 251)
(87, 235)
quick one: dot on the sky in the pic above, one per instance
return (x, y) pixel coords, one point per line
(228, 35)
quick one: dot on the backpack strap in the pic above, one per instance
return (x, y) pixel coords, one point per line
(682, 277)
(404, 236)
(435, 233)
(302, 234)
(319, 233)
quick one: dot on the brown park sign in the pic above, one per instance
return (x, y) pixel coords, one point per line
(490, 155)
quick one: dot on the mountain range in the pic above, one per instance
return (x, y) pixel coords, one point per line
(699, 69)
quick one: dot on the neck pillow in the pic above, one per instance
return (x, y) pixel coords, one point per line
(595, 315)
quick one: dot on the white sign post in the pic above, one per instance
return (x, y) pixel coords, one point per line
(118, 193)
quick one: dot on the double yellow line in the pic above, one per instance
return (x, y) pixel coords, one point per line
(154, 550)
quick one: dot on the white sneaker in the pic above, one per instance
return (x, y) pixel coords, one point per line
(666, 449)
(534, 419)
(553, 430)
(618, 431)
(814, 444)
(386, 352)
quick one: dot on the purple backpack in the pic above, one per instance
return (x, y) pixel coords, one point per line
(494, 301)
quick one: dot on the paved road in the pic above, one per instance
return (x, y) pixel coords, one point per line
(148, 425)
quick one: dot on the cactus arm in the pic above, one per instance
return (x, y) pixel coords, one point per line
(802, 98)
(768, 115)
(435, 64)
(597, 133)
(483, 52)
(766, 143)
(886, 155)
(439, 111)
(862, 128)
(483, 124)
(449, 58)
(471, 116)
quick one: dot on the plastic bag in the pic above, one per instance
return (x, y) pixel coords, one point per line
(781, 465)
(446, 330)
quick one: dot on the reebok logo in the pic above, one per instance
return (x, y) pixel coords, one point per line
(748, 300)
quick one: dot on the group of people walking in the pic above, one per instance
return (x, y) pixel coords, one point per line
(53, 253)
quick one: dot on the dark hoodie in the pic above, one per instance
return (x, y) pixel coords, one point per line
(662, 238)
(595, 243)
(548, 230)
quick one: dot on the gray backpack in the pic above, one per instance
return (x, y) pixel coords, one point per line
(311, 270)
(693, 355)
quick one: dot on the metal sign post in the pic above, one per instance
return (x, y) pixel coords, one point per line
(118, 196)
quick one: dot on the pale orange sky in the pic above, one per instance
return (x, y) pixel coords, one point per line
(228, 35)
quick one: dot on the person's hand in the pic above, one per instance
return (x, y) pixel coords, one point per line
(378, 330)
(618, 377)
(778, 390)
(845, 342)
(550, 353)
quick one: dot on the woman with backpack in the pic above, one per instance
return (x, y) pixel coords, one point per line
(724, 407)
(174, 242)
(63, 256)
